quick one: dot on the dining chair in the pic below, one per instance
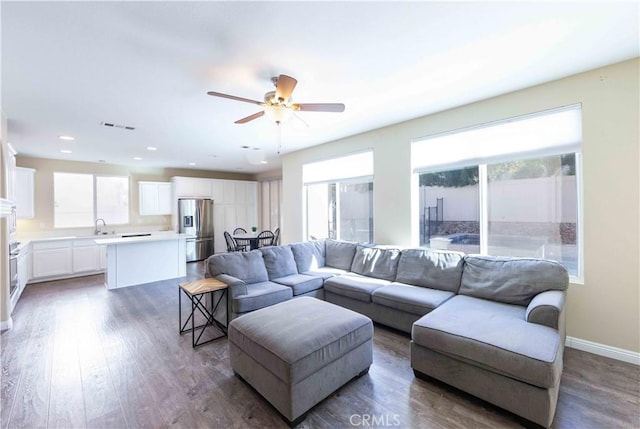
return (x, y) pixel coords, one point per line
(265, 238)
(231, 243)
(276, 237)
(242, 244)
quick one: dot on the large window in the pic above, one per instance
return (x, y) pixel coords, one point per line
(339, 198)
(80, 199)
(519, 198)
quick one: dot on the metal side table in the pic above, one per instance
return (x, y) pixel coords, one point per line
(196, 291)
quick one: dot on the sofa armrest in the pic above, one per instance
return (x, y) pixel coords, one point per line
(236, 286)
(546, 308)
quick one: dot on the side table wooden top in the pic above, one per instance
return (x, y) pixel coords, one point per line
(203, 286)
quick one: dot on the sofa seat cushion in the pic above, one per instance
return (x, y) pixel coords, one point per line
(325, 272)
(262, 294)
(494, 336)
(278, 261)
(354, 286)
(408, 298)
(300, 283)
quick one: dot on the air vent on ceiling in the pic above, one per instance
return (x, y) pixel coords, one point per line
(112, 125)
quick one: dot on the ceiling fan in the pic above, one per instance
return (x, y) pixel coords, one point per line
(278, 105)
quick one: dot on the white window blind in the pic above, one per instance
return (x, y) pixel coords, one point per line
(540, 134)
(344, 167)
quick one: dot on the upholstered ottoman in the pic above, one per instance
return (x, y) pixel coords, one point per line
(297, 352)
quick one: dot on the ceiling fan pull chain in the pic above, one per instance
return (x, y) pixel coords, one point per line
(279, 137)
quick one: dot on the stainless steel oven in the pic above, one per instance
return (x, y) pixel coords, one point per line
(14, 252)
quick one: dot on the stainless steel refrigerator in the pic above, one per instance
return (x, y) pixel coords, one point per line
(195, 216)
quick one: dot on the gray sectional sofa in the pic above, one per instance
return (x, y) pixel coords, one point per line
(493, 327)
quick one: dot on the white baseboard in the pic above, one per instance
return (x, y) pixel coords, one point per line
(603, 350)
(7, 324)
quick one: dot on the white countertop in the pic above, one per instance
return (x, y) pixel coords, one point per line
(143, 238)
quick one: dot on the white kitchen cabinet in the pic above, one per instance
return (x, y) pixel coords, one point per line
(51, 258)
(240, 192)
(24, 267)
(155, 198)
(192, 187)
(235, 203)
(85, 256)
(217, 191)
(24, 192)
(63, 258)
(23, 270)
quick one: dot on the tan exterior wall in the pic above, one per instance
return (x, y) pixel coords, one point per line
(606, 308)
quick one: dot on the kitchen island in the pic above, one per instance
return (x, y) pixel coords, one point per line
(144, 258)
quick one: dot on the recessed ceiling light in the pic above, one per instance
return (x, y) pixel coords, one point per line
(102, 161)
(66, 151)
(66, 138)
(244, 147)
(137, 158)
(152, 148)
(263, 162)
(192, 164)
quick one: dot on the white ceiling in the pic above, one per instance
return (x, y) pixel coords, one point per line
(68, 66)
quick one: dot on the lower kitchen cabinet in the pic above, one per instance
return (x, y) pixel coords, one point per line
(85, 256)
(51, 258)
(57, 259)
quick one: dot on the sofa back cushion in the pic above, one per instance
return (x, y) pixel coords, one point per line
(246, 266)
(511, 280)
(308, 255)
(279, 261)
(339, 254)
(435, 269)
(376, 262)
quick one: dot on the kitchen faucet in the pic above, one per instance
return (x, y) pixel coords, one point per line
(99, 231)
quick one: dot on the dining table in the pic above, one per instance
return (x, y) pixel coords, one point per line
(251, 237)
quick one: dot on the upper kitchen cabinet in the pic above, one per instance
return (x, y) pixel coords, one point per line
(192, 187)
(155, 198)
(24, 191)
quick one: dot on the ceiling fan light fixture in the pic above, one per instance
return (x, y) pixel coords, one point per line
(278, 113)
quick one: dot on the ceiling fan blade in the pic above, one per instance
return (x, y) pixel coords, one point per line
(319, 107)
(233, 97)
(285, 87)
(250, 118)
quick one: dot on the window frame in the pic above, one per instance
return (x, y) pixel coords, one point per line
(322, 171)
(483, 182)
(95, 196)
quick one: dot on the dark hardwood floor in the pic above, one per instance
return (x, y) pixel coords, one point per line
(82, 356)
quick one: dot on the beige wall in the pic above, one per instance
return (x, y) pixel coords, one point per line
(606, 308)
(43, 221)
